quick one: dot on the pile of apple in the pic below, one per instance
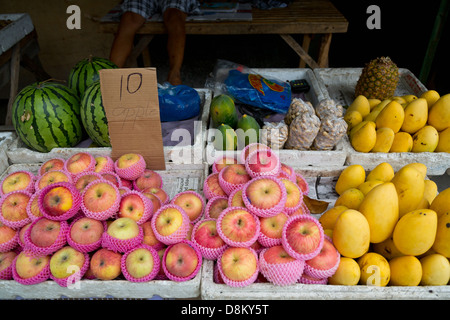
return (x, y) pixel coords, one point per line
(256, 226)
(93, 218)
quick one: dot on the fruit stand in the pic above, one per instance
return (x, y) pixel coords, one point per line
(253, 223)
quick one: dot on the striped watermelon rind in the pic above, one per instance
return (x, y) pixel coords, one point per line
(46, 115)
(93, 115)
(85, 73)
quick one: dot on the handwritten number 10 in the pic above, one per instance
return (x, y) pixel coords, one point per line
(132, 86)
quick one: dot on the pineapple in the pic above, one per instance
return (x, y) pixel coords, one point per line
(378, 79)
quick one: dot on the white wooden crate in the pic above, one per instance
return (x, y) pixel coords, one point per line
(321, 183)
(340, 84)
(315, 158)
(175, 179)
(19, 153)
(6, 138)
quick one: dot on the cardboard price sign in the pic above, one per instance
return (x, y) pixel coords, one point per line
(130, 99)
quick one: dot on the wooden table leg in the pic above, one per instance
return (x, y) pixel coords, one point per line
(15, 69)
(305, 46)
(324, 50)
(143, 42)
(299, 50)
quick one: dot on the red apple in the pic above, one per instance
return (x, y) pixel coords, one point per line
(215, 206)
(181, 261)
(301, 182)
(191, 202)
(159, 192)
(51, 165)
(14, 207)
(22, 232)
(148, 179)
(169, 221)
(44, 232)
(57, 201)
(156, 202)
(262, 162)
(289, 171)
(303, 236)
(130, 166)
(277, 255)
(327, 260)
(103, 164)
(149, 236)
(33, 209)
(20, 180)
(80, 162)
(222, 162)
(82, 181)
(206, 235)
(212, 186)
(51, 177)
(112, 177)
(238, 227)
(272, 227)
(235, 174)
(264, 193)
(105, 264)
(251, 148)
(235, 199)
(294, 196)
(238, 265)
(6, 234)
(28, 266)
(127, 160)
(141, 262)
(6, 260)
(123, 228)
(132, 206)
(86, 231)
(101, 196)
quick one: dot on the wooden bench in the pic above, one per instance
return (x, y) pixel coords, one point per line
(306, 17)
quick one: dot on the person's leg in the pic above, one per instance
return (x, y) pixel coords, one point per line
(174, 21)
(130, 23)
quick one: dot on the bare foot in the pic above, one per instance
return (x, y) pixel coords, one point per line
(174, 78)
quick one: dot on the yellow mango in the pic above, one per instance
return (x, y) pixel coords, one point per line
(387, 249)
(423, 204)
(409, 98)
(405, 271)
(329, 217)
(384, 140)
(444, 141)
(441, 203)
(442, 242)
(369, 185)
(415, 232)
(375, 270)
(399, 99)
(350, 198)
(352, 118)
(416, 116)
(373, 102)
(352, 131)
(410, 187)
(425, 140)
(435, 270)
(375, 111)
(380, 207)
(347, 273)
(351, 177)
(419, 167)
(403, 142)
(439, 113)
(431, 96)
(365, 138)
(351, 234)
(431, 190)
(382, 171)
(391, 116)
(360, 104)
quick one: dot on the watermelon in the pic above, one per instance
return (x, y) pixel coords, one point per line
(85, 73)
(93, 115)
(46, 115)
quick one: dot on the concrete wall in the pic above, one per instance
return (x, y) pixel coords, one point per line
(61, 48)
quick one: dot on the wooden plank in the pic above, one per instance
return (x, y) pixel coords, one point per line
(305, 46)
(299, 50)
(324, 49)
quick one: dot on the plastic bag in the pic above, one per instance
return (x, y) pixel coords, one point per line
(248, 87)
(177, 102)
(330, 133)
(297, 107)
(302, 131)
(274, 134)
